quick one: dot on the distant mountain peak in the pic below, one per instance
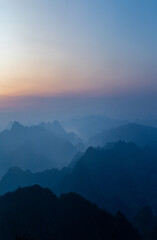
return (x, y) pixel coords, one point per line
(145, 214)
(16, 126)
(57, 123)
(55, 126)
(16, 171)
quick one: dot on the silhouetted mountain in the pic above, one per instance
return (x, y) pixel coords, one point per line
(139, 134)
(57, 129)
(33, 147)
(36, 212)
(25, 157)
(111, 178)
(119, 176)
(145, 222)
(152, 235)
(88, 126)
(16, 177)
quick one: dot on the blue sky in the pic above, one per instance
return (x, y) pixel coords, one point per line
(68, 48)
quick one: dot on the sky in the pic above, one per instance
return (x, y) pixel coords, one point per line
(102, 53)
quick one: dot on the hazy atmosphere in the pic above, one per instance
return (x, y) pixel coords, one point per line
(78, 119)
(79, 57)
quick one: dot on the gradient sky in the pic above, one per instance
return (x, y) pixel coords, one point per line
(64, 48)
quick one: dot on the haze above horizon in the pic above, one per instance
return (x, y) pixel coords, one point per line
(69, 49)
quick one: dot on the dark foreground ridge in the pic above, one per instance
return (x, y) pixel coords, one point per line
(118, 177)
(36, 213)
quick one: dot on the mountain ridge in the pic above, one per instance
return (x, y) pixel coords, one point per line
(37, 212)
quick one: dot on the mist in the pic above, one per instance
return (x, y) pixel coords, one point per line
(32, 110)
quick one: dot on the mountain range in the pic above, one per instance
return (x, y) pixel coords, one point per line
(36, 213)
(88, 126)
(49, 145)
(139, 134)
(36, 148)
(120, 176)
